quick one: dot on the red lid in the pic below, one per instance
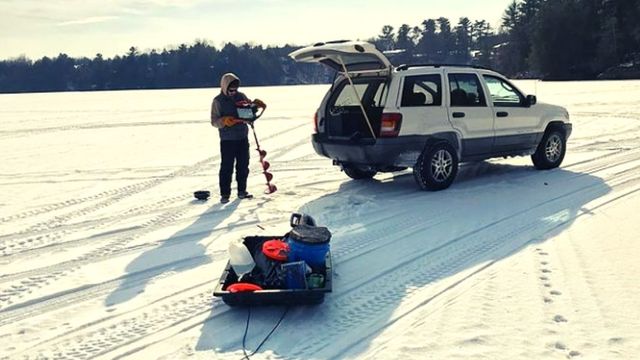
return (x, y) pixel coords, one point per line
(276, 249)
(243, 287)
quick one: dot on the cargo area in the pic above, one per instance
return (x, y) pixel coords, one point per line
(343, 117)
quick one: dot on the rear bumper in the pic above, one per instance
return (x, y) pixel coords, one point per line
(400, 151)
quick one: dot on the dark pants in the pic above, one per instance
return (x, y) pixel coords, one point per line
(234, 151)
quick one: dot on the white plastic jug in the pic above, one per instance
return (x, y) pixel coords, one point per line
(240, 258)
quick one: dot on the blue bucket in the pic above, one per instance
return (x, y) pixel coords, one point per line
(309, 244)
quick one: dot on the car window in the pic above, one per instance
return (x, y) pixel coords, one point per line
(466, 90)
(347, 96)
(370, 93)
(380, 94)
(502, 93)
(423, 90)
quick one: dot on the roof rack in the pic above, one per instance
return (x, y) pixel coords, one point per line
(404, 67)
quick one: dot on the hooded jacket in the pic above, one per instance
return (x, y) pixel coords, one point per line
(225, 105)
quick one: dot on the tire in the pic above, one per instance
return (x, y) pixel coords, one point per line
(358, 174)
(436, 167)
(550, 151)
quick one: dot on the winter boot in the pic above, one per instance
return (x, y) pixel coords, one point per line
(224, 199)
(244, 195)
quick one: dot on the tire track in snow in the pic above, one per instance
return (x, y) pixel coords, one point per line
(17, 242)
(408, 225)
(93, 126)
(108, 337)
(362, 301)
(148, 209)
(16, 286)
(82, 294)
(365, 306)
(208, 309)
(407, 222)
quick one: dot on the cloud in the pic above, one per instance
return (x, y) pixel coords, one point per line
(88, 20)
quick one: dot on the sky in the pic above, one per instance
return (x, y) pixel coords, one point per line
(37, 28)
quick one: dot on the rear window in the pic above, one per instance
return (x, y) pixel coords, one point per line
(423, 90)
(370, 93)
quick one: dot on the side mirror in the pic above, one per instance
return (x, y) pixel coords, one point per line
(530, 100)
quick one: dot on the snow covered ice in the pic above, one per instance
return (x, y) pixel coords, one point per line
(105, 254)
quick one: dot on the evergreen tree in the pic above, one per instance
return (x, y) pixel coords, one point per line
(404, 42)
(427, 44)
(385, 40)
(463, 41)
(570, 55)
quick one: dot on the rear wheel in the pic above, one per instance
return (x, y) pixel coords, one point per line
(436, 167)
(358, 174)
(550, 151)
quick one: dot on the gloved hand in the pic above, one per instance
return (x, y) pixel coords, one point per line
(259, 103)
(229, 121)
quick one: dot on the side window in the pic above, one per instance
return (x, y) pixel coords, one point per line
(466, 90)
(347, 96)
(371, 93)
(379, 95)
(423, 90)
(502, 93)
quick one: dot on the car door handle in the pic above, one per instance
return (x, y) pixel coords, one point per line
(458, 114)
(502, 114)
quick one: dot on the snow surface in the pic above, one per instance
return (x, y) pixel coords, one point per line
(104, 254)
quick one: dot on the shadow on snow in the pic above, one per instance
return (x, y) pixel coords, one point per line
(179, 252)
(391, 243)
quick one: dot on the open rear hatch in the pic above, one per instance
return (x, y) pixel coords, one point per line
(355, 107)
(357, 56)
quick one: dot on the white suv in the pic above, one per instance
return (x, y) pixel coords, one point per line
(377, 118)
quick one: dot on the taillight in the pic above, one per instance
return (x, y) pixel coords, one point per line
(315, 122)
(390, 124)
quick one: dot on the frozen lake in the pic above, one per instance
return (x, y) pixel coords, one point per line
(105, 255)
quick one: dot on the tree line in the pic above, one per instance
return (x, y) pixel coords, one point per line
(197, 65)
(547, 39)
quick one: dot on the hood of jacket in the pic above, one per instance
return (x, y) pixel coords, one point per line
(226, 80)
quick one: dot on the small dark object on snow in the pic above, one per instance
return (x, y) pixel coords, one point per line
(202, 195)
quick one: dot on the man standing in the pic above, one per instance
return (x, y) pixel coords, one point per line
(234, 143)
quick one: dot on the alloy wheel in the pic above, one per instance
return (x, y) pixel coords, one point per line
(553, 148)
(441, 165)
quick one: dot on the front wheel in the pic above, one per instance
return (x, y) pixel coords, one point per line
(550, 151)
(436, 167)
(358, 174)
